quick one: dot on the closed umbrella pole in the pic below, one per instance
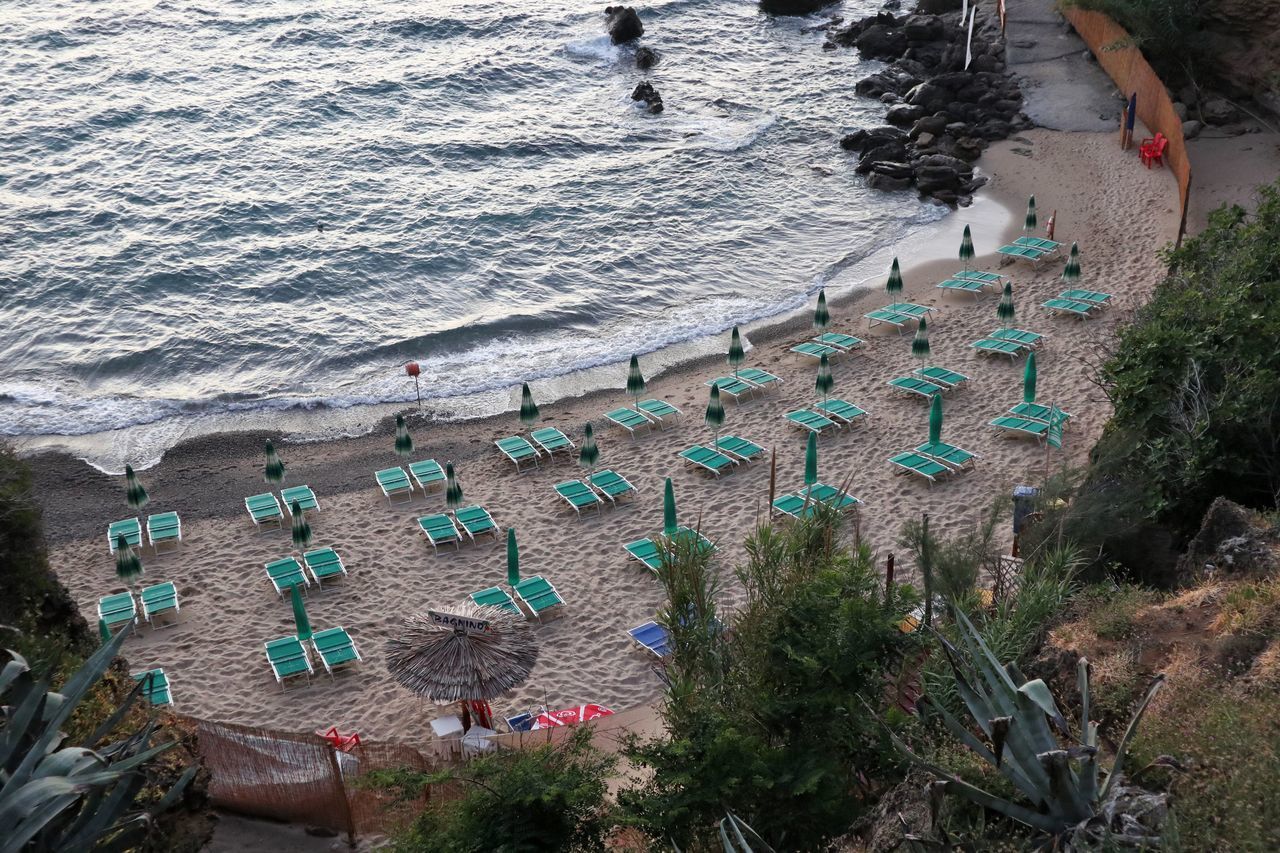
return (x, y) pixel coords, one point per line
(920, 343)
(128, 563)
(893, 286)
(1071, 272)
(1029, 224)
(404, 441)
(824, 381)
(1004, 310)
(528, 408)
(301, 622)
(714, 417)
(821, 317)
(589, 453)
(635, 380)
(301, 528)
(811, 460)
(134, 494)
(935, 420)
(736, 354)
(1029, 380)
(273, 470)
(668, 509)
(966, 248)
(513, 558)
(452, 488)
(104, 633)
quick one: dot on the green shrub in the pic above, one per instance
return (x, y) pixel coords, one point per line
(1168, 32)
(1111, 610)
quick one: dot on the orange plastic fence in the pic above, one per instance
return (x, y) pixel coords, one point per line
(1118, 56)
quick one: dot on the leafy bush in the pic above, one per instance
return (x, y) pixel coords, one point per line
(1168, 32)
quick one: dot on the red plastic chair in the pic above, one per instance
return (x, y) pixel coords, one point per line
(341, 742)
(1152, 150)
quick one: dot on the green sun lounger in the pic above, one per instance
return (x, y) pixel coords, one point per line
(911, 309)
(537, 594)
(155, 686)
(1093, 297)
(1017, 336)
(439, 530)
(647, 552)
(518, 450)
(812, 421)
(628, 419)
(1035, 411)
(159, 599)
(1049, 247)
(552, 440)
(795, 506)
(814, 350)
(848, 343)
(660, 409)
(1070, 306)
(476, 521)
(578, 495)
(286, 572)
(739, 448)
(496, 597)
(611, 484)
(427, 473)
(288, 659)
(941, 376)
(759, 377)
(1024, 253)
(965, 285)
(826, 494)
(920, 465)
(987, 346)
(916, 385)
(735, 388)
(264, 508)
(840, 410)
(704, 457)
(1021, 426)
(117, 609)
(948, 454)
(887, 315)
(979, 275)
(394, 482)
(129, 528)
(335, 648)
(305, 498)
(324, 564)
(163, 527)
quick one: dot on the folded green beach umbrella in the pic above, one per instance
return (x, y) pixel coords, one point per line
(821, 317)
(1029, 224)
(824, 381)
(513, 558)
(404, 441)
(920, 343)
(935, 419)
(300, 620)
(1004, 310)
(811, 460)
(134, 494)
(452, 488)
(528, 408)
(104, 633)
(894, 285)
(301, 529)
(715, 410)
(736, 353)
(966, 248)
(588, 454)
(668, 510)
(1071, 272)
(635, 380)
(273, 471)
(128, 563)
(1029, 380)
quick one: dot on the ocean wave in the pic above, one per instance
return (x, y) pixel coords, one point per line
(599, 48)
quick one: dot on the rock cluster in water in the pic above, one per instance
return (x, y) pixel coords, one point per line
(624, 25)
(941, 115)
(645, 92)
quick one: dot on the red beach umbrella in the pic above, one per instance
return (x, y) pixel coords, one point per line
(570, 716)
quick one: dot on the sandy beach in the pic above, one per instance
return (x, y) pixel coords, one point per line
(1119, 212)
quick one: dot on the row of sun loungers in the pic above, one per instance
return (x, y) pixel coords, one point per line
(746, 383)
(449, 528)
(649, 550)
(321, 564)
(536, 593)
(898, 314)
(826, 415)
(601, 487)
(830, 344)
(266, 508)
(727, 452)
(549, 440)
(163, 528)
(805, 503)
(1032, 249)
(289, 658)
(972, 281)
(121, 608)
(1080, 303)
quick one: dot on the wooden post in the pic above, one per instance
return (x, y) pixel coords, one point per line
(888, 582)
(773, 478)
(926, 570)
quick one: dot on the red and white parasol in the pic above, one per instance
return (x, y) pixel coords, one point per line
(570, 716)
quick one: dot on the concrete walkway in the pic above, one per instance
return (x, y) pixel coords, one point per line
(1063, 88)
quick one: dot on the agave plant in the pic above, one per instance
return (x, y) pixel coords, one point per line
(55, 796)
(1068, 795)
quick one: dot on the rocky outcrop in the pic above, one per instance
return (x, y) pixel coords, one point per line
(793, 7)
(1232, 541)
(1243, 37)
(623, 24)
(646, 58)
(946, 112)
(649, 95)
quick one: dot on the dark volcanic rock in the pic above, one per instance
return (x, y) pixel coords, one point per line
(903, 115)
(792, 7)
(937, 7)
(646, 57)
(935, 124)
(889, 152)
(923, 28)
(864, 139)
(623, 24)
(888, 183)
(645, 92)
(881, 42)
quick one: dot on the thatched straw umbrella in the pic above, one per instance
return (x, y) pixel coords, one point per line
(447, 664)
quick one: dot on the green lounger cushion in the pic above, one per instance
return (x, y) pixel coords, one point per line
(427, 472)
(129, 528)
(335, 647)
(475, 520)
(660, 409)
(841, 409)
(1091, 296)
(647, 552)
(612, 484)
(811, 421)
(263, 507)
(284, 573)
(155, 686)
(628, 419)
(538, 594)
(288, 657)
(495, 597)
(916, 385)
(885, 315)
(963, 284)
(324, 563)
(393, 481)
(760, 377)
(979, 275)
(438, 529)
(1008, 348)
(688, 534)
(517, 449)
(157, 599)
(941, 375)
(948, 454)
(117, 608)
(911, 309)
(737, 446)
(1071, 306)
(838, 498)
(838, 340)
(705, 457)
(551, 439)
(814, 350)
(735, 388)
(164, 527)
(577, 494)
(1035, 411)
(795, 506)
(1025, 252)
(305, 498)
(1038, 243)
(914, 462)
(1025, 426)
(1017, 336)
